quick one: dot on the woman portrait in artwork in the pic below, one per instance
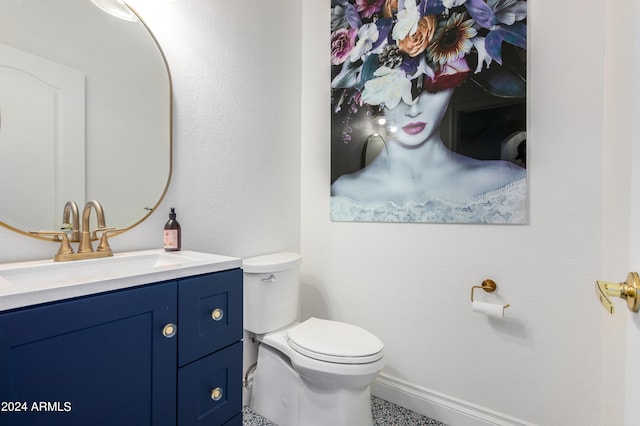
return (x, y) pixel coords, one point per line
(401, 61)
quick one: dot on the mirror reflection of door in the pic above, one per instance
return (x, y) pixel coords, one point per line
(44, 129)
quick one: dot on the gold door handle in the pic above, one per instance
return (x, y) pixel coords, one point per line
(628, 290)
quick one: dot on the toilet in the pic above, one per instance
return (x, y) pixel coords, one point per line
(316, 372)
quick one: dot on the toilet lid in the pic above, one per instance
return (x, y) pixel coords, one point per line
(334, 341)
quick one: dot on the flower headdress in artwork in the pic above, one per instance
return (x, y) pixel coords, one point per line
(385, 51)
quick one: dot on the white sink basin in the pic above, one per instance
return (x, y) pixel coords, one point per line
(26, 283)
(34, 274)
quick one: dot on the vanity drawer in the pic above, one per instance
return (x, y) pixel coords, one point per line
(209, 314)
(209, 390)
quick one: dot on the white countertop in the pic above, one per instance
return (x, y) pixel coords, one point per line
(30, 283)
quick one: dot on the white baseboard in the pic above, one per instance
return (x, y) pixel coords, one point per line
(446, 409)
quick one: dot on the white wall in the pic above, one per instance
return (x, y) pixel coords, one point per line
(410, 283)
(236, 78)
(236, 178)
(618, 137)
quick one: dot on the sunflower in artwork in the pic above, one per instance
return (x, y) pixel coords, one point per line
(452, 39)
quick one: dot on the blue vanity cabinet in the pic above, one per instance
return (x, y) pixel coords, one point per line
(97, 360)
(113, 359)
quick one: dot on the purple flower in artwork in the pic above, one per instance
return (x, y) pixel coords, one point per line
(342, 42)
(368, 7)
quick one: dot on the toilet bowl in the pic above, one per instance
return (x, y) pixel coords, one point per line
(313, 373)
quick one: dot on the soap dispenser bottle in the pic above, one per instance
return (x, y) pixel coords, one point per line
(172, 233)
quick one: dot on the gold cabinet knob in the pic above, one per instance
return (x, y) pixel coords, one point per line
(628, 290)
(169, 330)
(216, 394)
(217, 314)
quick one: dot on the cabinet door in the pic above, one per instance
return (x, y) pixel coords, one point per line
(210, 310)
(99, 360)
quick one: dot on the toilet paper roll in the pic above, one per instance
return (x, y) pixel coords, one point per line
(492, 309)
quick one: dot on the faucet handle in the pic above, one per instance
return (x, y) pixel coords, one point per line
(65, 247)
(104, 242)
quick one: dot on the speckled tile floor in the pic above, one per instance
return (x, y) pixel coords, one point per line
(384, 413)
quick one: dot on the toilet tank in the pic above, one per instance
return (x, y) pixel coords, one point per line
(271, 287)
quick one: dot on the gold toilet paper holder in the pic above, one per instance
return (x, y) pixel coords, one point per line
(489, 286)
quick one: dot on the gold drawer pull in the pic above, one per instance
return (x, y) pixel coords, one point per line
(217, 314)
(216, 394)
(169, 330)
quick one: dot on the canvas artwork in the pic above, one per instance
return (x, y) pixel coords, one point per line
(428, 107)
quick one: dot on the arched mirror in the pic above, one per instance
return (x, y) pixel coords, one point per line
(85, 113)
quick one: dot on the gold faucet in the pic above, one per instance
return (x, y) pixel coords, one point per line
(85, 248)
(71, 209)
(85, 239)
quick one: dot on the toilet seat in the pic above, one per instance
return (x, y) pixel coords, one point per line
(318, 365)
(335, 342)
